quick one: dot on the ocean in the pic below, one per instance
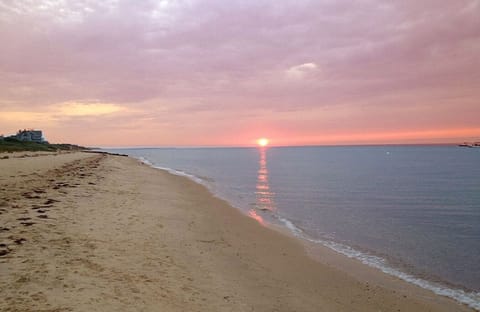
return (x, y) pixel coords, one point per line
(410, 211)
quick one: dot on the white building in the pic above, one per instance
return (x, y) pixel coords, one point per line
(30, 135)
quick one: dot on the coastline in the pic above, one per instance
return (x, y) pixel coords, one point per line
(124, 235)
(318, 247)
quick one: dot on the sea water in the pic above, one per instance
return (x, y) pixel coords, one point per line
(410, 211)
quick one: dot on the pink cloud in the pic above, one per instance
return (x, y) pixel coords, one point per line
(385, 67)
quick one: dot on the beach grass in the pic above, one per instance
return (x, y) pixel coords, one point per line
(10, 145)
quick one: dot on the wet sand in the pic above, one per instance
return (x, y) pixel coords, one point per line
(92, 232)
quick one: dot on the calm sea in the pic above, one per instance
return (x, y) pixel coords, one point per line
(410, 211)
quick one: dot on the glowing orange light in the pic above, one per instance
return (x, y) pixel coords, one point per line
(262, 142)
(252, 213)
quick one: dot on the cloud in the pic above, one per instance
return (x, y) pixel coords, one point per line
(25, 117)
(300, 71)
(57, 112)
(229, 60)
(75, 109)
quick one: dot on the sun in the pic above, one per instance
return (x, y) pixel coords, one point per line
(262, 142)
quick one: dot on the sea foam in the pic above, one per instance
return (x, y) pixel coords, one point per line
(173, 171)
(471, 299)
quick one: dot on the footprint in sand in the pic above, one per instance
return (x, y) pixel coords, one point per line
(30, 196)
(19, 241)
(36, 207)
(4, 250)
(50, 201)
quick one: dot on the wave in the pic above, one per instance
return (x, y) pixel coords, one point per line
(471, 299)
(174, 171)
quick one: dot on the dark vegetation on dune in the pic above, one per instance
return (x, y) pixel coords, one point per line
(14, 145)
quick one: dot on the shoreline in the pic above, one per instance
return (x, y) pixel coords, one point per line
(356, 259)
(124, 233)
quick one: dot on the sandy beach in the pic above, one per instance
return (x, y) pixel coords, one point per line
(94, 232)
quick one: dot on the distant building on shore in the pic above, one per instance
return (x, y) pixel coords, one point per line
(30, 135)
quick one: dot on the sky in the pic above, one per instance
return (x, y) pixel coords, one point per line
(224, 73)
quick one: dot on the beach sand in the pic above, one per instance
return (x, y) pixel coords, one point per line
(92, 232)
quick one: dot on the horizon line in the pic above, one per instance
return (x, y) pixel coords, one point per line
(272, 146)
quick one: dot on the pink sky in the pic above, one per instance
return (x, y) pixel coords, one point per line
(152, 73)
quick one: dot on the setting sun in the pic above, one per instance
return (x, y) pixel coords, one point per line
(262, 142)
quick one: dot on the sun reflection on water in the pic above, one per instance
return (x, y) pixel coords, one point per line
(264, 196)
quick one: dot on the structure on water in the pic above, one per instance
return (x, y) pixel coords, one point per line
(467, 144)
